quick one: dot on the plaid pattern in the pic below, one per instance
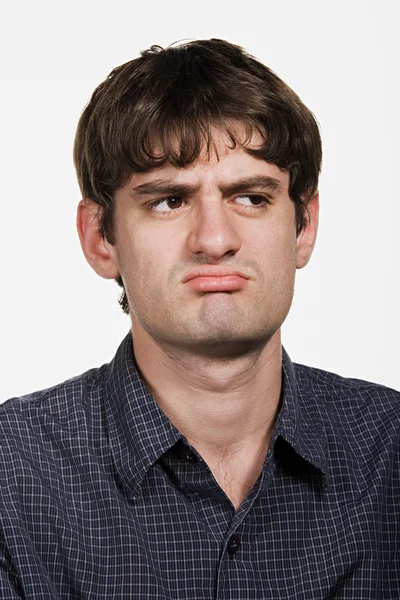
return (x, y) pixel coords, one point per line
(102, 497)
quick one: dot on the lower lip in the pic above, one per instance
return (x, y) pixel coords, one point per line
(228, 283)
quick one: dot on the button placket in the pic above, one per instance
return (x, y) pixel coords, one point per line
(233, 544)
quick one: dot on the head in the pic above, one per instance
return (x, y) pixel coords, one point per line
(201, 114)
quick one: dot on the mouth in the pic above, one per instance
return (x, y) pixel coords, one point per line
(212, 283)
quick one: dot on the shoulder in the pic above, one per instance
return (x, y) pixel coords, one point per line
(357, 412)
(346, 391)
(23, 419)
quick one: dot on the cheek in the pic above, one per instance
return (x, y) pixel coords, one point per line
(274, 248)
(276, 258)
(144, 260)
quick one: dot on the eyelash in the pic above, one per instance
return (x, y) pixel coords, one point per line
(152, 205)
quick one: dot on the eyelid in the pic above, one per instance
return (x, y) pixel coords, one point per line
(265, 197)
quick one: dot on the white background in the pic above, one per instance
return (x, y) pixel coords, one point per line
(58, 318)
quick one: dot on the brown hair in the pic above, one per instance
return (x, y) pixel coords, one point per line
(174, 96)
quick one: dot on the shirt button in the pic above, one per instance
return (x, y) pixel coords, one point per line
(189, 456)
(233, 544)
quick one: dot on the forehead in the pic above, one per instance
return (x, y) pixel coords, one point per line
(220, 162)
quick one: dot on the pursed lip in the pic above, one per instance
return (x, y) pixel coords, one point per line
(217, 271)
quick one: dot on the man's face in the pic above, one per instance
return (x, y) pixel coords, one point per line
(158, 246)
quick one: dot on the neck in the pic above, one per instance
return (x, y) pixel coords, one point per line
(223, 407)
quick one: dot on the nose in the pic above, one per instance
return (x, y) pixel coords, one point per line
(213, 230)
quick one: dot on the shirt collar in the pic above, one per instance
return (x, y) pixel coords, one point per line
(300, 421)
(140, 432)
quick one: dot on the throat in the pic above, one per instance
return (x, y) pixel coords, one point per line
(236, 475)
(236, 491)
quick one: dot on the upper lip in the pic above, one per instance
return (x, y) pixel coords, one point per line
(208, 271)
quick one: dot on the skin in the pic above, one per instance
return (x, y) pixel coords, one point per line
(211, 360)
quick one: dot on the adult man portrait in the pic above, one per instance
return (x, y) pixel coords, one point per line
(201, 462)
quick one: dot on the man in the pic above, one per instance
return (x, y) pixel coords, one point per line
(201, 462)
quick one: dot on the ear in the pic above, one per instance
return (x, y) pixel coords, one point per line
(100, 254)
(306, 240)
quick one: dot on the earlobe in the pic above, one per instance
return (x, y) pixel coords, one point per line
(99, 253)
(307, 238)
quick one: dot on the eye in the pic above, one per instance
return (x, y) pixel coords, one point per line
(257, 200)
(167, 206)
(162, 206)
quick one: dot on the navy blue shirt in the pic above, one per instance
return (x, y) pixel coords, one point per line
(103, 498)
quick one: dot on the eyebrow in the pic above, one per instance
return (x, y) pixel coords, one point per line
(161, 187)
